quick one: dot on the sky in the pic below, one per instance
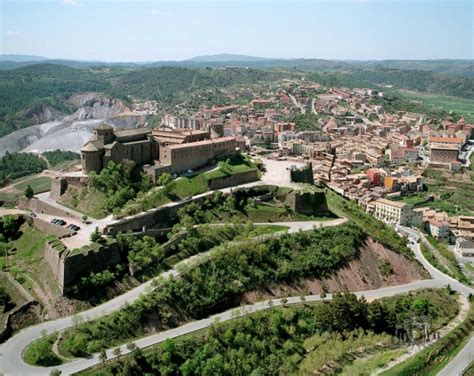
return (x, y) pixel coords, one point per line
(136, 30)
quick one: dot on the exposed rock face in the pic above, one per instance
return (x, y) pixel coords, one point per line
(361, 274)
(52, 130)
(98, 108)
(42, 114)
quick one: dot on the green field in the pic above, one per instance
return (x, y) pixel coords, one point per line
(39, 184)
(186, 186)
(462, 107)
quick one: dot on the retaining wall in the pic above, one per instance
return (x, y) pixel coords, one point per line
(44, 226)
(233, 180)
(39, 206)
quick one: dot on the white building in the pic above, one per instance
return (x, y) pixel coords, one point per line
(393, 212)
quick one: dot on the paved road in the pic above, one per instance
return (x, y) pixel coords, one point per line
(461, 361)
(276, 174)
(313, 108)
(466, 355)
(11, 362)
(295, 102)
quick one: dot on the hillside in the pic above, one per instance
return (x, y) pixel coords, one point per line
(30, 91)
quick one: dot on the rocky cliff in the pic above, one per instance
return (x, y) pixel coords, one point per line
(52, 129)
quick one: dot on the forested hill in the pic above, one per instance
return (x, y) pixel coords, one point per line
(25, 90)
(164, 83)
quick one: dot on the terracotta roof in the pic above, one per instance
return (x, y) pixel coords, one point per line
(446, 140)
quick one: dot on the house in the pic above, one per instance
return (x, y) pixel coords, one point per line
(464, 247)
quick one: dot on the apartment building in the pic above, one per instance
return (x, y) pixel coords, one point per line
(393, 212)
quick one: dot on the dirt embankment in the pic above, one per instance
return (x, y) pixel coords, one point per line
(376, 267)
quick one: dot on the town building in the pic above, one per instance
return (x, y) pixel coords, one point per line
(464, 247)
(393, 212)
(160, 150)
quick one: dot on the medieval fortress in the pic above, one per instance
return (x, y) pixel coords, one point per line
(158, 150)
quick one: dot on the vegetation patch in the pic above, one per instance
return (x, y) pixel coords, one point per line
(178, 189)
(376, 229)
(38, 184)
(447, 260)
(325, 337)
(16, 165)
(56, 157)
(432, 359)
(219, 282)
(40, 352)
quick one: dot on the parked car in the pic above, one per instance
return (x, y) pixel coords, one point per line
(33, 214)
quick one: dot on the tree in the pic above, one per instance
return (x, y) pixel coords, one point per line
(102, 356)
(96, 236)
(85, 218)
(166, 181)
(117, 352)
(55, 372)
(29, 193)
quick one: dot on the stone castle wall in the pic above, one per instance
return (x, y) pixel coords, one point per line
(233, 180)
(49, 228)
(60, 184)
(310, 203)
(39, 206)
(68, 266)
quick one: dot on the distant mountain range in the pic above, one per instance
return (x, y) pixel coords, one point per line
(444, 66)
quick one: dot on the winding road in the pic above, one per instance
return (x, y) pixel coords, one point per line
(11, 362)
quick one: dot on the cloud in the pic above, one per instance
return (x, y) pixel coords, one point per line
(156, 12)
(11, 33)
(71, 2)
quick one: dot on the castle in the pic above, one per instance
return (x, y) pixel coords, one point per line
(158, 150)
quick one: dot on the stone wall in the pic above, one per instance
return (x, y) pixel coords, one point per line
(49, 228)
(39, 206)
(310, 203)
(163, 216)
(68, 266)
(233, 180)
(60, 184)
(303, 175)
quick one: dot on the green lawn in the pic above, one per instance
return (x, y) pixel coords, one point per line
(462, 107)
(39, 184)
(25, 257)
(185, 186)
(200, 183)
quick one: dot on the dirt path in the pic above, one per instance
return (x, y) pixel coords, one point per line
(414, 349)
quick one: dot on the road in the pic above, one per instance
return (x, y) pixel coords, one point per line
(11, 362)
(461, 361)
(313, 108)
(295, 102)
(466, 355)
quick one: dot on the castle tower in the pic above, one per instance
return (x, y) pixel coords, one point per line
(104, 133)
